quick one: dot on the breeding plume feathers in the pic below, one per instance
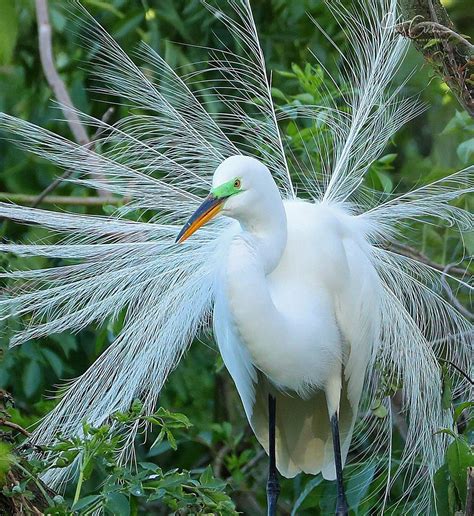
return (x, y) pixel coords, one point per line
(160, 159)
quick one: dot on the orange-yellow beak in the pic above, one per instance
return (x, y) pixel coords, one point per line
(208, 209)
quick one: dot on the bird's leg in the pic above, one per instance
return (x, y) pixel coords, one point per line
(341, 505)
(273, 486)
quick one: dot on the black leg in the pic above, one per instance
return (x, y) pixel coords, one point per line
(273, 487)
(341, 506)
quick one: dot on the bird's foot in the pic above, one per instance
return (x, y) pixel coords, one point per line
(273, 490)
(341, 507)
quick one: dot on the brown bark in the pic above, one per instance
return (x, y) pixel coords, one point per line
(450, 54)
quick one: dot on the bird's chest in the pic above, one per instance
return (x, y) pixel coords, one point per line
(284, 321)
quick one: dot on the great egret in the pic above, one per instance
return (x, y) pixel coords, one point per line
(299, 300)
(310, 308)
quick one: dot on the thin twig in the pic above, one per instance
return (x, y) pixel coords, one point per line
(45, 41)
(429, 29)
(252, 462)
(60, 200)
(219, 460)
(411, 252)
(452, 298)
(14, 426)
(458, 369)
(469, 334)
(25, 505)
(399, 419)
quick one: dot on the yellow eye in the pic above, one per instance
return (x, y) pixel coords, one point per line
(237, 183)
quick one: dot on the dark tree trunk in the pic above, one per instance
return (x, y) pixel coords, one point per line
(428, 25)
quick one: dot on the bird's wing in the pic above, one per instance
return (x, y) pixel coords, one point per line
(358, 308)
(234, 353)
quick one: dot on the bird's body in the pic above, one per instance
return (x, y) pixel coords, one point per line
(290, 283)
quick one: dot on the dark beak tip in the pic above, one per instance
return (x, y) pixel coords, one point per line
(209, 202)
(180, 234)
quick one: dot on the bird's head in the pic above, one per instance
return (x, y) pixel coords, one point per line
(241, 186)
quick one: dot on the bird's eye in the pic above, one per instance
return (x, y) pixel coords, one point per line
(237, 183)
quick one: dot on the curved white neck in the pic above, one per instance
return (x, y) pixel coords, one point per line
(253, 254)
(265, 229)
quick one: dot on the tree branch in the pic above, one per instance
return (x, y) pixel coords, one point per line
(429, 30)
(470, 492)
(52, 76)
(31, 200)
(14, 426)
(411, 252)
(452, 298)
(45, 41)
(450, 54)
(52, 186)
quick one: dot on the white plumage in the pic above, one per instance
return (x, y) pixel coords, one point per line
(322, 295)
(299, 302)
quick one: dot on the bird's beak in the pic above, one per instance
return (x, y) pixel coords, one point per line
(211, 206)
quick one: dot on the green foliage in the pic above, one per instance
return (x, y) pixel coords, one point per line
(5, 460)
(103, 483)
(216, 456)
(451, 479)
(8, 31)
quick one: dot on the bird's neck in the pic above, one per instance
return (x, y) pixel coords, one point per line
(266, 231)
(253, 254)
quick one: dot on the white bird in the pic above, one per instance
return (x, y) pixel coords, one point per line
(296, 316)
(312, 314)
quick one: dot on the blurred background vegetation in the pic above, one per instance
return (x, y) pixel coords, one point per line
(435, 144)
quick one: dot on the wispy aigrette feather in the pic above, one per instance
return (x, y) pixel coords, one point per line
(161, 159)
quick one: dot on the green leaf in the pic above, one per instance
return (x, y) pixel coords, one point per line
(206, 476)
(460, 408)
(8, 30)
(431, 43)
(461, 122)
(6, 458)
(82, 503)
(380, 412)
(278, 94)
(118, 504)
(158, 440)
(170, 438)
(305, 98)
(441, 483)
(358, 485)
(106, 6)
(283, 73)
(465, 151)
(453, 503)
(379, 179)
(314, 482)
(378, 409)
(32, 376)
(388, 159)
(459, 457)
(54, 361)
